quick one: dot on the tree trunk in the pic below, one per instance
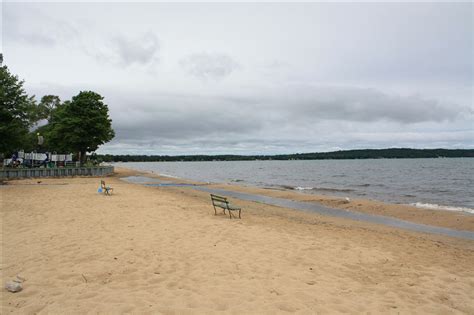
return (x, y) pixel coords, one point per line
(83, 157)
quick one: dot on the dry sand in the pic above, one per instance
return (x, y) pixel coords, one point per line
(162, 250)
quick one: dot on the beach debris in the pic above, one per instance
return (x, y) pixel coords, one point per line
(84, 277)
(347, 200)
(275, 292)
(13, 286)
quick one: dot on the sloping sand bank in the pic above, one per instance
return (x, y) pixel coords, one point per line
(162, 250)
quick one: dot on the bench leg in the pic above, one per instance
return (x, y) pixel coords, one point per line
(215, 210)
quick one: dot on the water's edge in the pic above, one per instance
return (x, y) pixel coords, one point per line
(311, 207)
(438, 184)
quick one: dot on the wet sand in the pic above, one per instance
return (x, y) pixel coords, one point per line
(162, 250)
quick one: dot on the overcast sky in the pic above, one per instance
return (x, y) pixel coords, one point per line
(255, 78)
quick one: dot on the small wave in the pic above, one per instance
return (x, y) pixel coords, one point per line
(316, 188)
(441, 207)
(167, 175)
(236, 180)
(333, 189)
(303, 188)
(287, 187)
(369, 185)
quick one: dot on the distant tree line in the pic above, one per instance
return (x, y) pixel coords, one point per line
(79, 125)
(393, 153)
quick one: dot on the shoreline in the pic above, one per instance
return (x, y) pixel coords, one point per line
(456, 220)
(422, 184)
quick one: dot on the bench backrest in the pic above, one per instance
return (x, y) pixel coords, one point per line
(216, 198)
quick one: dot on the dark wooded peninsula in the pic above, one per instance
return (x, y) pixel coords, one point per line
(393, 153)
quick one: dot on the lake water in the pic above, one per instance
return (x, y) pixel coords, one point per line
(428, 183)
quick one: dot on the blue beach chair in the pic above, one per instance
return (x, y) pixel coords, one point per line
(107, 190)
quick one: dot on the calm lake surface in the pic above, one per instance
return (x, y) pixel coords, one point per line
(428, 183)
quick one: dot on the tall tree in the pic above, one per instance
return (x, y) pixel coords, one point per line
(81, 125)
(16, 111)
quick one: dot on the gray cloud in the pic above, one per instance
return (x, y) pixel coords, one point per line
(142, 49)
(18, 26)
(29, 27)
(364, 105)
(167, 118)
(209, 65)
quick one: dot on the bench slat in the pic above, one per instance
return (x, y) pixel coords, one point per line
(220, 204)
(218, 198)
(232, 207)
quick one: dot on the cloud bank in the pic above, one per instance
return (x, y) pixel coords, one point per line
(288, 119)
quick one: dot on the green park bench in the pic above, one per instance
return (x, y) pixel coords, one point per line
(222, 202)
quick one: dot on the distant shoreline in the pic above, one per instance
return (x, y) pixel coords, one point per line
(393, 153)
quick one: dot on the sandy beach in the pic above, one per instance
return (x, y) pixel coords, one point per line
(162, 250)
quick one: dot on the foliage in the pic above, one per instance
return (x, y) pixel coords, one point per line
(47, 105)
(80, 125)
(16, 111)
(394, 153)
